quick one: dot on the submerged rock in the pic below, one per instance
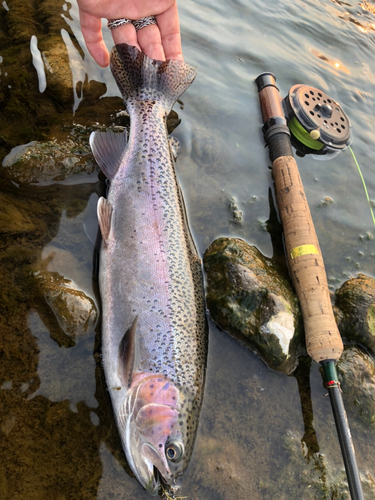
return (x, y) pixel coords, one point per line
(356, 318)
(74, 310)
(15, 216)
(247, 297)
(53, 161)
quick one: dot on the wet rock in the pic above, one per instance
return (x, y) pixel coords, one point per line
(356, 371)
(59, 70)
(53, 161)
(247, 297)
(62, 282)
(356, 318)
(75, 311)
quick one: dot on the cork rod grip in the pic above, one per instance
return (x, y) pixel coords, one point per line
(323, 340)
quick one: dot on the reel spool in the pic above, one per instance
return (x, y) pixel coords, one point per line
(317, 123)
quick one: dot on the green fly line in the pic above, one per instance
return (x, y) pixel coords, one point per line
(304, 137)
(364, 185)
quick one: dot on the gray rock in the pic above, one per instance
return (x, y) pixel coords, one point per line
(247, 297)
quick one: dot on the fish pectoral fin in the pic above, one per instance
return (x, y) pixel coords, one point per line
(126, 355)
(174, 144)
(105, 211)
(108, 149)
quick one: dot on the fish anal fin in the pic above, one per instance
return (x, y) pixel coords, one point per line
(126, 355)
(105, 212)
(108, 149)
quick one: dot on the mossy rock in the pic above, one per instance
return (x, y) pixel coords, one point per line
(248, 297)
(356, 371)
(356, 303)
(54, 161)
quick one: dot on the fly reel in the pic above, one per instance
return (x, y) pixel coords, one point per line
(317, 123)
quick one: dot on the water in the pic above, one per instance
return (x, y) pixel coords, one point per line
(57, 433)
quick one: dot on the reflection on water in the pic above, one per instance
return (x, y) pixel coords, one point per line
(262, 435)
(332, 62)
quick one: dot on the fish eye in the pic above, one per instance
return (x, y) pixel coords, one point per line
(174, 451)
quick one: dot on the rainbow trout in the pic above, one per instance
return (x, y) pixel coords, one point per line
(154, 333)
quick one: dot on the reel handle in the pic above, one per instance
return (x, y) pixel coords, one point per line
(306, 265)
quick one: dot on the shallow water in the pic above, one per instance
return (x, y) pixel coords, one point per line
(254, 441)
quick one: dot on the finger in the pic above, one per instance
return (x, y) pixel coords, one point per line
(125, 34)
(150, 41)
(92, 33)
(169, 26)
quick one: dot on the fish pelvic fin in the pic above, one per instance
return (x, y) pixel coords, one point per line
(126, 355)
(105, 211)
(108, 149)
(138, 76)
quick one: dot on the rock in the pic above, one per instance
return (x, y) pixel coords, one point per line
(247, 297)
(356, 370)
(58, 71)
(356, 319)
(53, 161)
(74, 310)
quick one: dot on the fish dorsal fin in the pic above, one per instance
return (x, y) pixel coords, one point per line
(108, 149)
(126, 355)
(105, 212)
(174, 144)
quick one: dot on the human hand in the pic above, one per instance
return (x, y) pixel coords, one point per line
(158, 41)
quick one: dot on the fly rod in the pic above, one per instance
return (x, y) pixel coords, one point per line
(312, 116)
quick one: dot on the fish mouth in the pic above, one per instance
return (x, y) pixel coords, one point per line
(154, 483)
(167, 491)
(158, 484)
(155, 473)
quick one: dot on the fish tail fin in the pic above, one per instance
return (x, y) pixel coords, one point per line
(141, 78)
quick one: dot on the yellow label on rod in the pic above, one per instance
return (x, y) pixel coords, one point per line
(303, 250)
